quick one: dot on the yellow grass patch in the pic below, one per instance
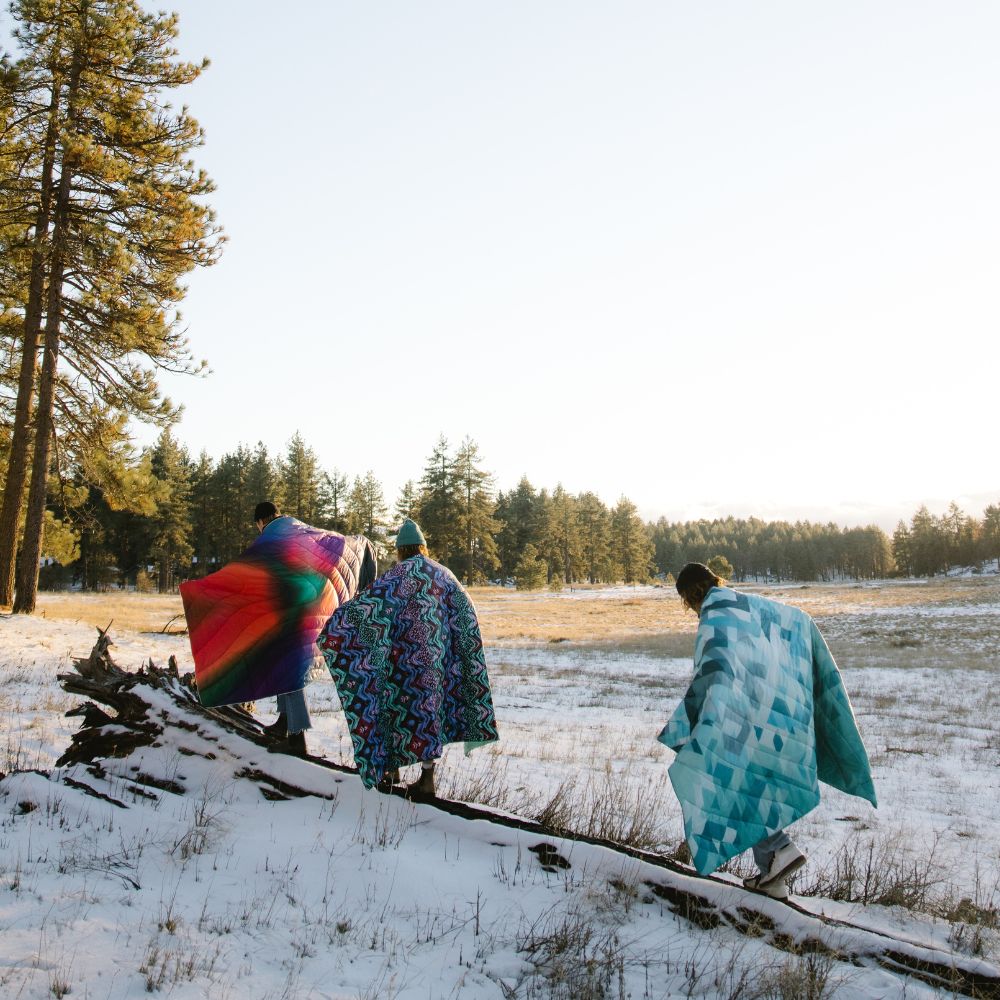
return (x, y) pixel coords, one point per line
(136, 612)
(541, 616)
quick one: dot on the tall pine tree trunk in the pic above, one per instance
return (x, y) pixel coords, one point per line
(34, 522)
(31, 550)
(20, 446)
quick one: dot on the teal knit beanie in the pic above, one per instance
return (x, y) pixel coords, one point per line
(409, 534)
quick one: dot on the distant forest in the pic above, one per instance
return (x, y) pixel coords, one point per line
(174, 517)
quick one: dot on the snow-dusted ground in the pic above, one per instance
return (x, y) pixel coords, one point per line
(369, 897)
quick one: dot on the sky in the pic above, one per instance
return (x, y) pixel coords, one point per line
(719, 257)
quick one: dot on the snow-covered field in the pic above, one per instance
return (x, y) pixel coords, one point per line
(224, 894)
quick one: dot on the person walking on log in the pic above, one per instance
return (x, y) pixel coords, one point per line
(765, 718)
(253, 624)
(407, 658)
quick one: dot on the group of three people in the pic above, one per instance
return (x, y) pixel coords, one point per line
(765, 716)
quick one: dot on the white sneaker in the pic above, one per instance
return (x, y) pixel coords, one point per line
(776, 890)
(785, 862)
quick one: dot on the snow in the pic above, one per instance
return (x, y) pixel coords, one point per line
(221, 893)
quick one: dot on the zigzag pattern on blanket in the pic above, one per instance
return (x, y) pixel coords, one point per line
(407, 658)
(253, 624)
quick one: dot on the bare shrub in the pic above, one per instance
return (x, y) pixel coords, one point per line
(974, 920)
(386, 829)
(800, 977)
(574, 958)
(557, 814)
(881, 870)
(13, 756)
(489, 785)
(620, 808)
(169, 966)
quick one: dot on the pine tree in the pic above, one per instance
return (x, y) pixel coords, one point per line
(263, 479)
(531, 570)
(233, 503)
(901, 550)
(299, 480)
(170, 526)
(631, 548)
(407, 503)
(517, 511)
(928, 543)
(117, 220)
(366, 509)
(440, 517)
(955, 525)
(203, 544)
(111, 518)
(474, 489)
(595, 538)
(990, 534)
(334, 493)
(720, 566)
(564, 542)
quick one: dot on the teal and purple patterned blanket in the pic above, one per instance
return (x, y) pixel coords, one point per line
(407, 658)
(765, 718)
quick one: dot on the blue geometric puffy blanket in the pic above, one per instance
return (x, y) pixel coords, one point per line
(407, 659)
(765, 718)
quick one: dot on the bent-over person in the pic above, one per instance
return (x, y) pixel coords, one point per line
(765, 719)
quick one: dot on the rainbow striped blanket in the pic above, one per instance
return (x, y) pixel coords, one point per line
(407, 658)
(253, 624)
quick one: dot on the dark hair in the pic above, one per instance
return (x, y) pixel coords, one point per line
(264, 511)
(405, 551)
(694, 582)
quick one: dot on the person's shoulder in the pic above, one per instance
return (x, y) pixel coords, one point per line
(723, 598)
(439, 570)
(283, 523)
(787, 614)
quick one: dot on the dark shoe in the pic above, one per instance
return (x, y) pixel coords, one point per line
(293, 743)
(279, 728)
(424, 785)
(389, 779)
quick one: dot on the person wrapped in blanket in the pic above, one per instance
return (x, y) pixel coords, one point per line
(765, 718)
(407, 659)
(252, 624)
(289, 729)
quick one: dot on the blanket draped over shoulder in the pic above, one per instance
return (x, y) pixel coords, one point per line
(765, 718)
(407, 658)
(253, 624)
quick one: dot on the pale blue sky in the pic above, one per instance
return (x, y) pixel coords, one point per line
(721, 257)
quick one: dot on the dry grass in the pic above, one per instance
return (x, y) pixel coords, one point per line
(636, 616)
(135, 612)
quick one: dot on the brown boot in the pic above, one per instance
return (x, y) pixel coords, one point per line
(279, 728)
(293, 744)
(389, 779)
(424, 785)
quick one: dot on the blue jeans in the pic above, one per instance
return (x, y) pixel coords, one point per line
(296, 713)
(766, 849)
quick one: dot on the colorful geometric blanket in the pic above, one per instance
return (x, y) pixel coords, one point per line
(253, 624)
(765, 718)
(407, 658)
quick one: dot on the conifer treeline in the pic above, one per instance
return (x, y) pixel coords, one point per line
(187, 517)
